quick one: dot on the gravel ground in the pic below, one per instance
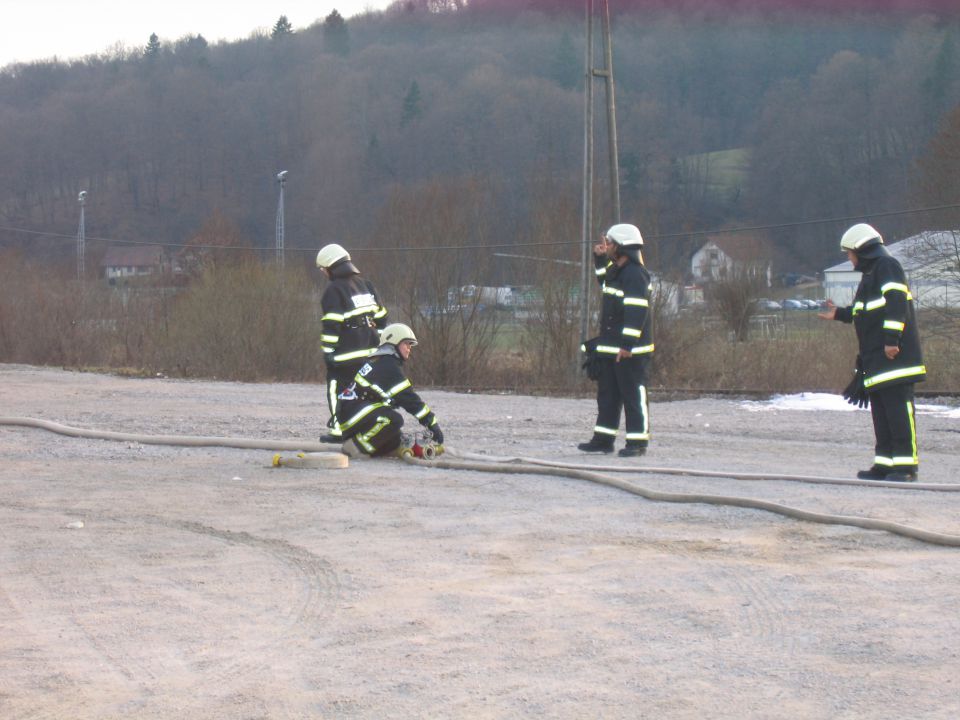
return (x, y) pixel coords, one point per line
(205, 584)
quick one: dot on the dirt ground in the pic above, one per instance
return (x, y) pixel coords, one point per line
(205, 584)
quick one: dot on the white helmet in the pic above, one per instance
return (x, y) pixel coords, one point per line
(860, 236)
(625, 235)
(331, 255)
(396, 333)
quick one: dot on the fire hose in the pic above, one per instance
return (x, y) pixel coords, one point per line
(310, 454)
(534, 466)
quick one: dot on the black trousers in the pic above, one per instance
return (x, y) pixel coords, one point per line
(623, 385)
(378, 433)
(338, 377)
(895, 428)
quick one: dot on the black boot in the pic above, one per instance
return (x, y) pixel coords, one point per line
(876, 472)
(597, 444)
(903, 475)
(633, 448)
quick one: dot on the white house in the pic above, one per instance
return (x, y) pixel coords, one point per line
(131, 261)
(931, 261)
(721, 258)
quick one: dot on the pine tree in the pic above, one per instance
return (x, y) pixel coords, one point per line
(411, 105)
(336, 35)
(152, 50)
(936, 85)
(282, 28)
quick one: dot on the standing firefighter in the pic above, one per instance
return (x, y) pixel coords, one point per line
(366, 406)
(352, 312)
(620, 357)
(890, 361)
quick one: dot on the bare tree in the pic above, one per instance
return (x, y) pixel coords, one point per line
(934, 267)
(733, 297)
(218, 242)
(551, 308)
(430, 279)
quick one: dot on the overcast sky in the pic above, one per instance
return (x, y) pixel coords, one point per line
(36, 29)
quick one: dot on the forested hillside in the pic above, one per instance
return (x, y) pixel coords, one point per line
(731, 114)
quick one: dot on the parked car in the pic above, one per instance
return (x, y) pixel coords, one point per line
(792, 279)
(767, 304)
(791, 304)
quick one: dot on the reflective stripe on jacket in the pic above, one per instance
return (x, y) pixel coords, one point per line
(352, 312)
(381, 382)
(883, 314)
(625, 308)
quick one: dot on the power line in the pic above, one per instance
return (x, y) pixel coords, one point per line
(437, 248)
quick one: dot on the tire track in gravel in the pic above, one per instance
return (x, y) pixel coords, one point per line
(41, 609)
(319, 594)
(753, 609)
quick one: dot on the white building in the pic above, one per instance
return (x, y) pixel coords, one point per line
(931, 261)
(123, 262)
(722, 258)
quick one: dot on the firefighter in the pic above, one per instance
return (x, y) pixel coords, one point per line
(352, 314)
(622, 352)
(890, 361)
(367, 406)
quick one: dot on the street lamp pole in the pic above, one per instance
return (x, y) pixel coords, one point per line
(281, 181)
(81, 235)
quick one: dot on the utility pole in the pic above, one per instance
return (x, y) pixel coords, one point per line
(81, 236)
(587, 228)
(607, 74)
(281, 181)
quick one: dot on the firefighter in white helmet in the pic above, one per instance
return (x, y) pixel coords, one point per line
(619, 358)
(352, 314)
(367, 407)
(890, 361)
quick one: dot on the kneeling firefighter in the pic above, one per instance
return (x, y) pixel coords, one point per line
(366, 407)
(890, 361)
(619, 358)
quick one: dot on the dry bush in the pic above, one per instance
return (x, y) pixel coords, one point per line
(673, 338)
(244, 322)
(551, 325)
(940, 353)
(457, 329)
(138, 317)
(807, 358)
(46, 319)
(733, 297)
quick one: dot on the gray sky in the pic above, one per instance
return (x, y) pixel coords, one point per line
(36, 29)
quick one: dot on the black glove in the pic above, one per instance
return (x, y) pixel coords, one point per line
(591, 360)
(437, 434)
(855, 393)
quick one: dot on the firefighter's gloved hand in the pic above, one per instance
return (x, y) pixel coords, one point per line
(437, 434)
(855, 393)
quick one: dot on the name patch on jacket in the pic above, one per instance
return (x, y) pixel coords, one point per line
(363, 300)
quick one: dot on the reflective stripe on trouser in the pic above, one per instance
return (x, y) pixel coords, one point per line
(623, 385)
(378, 433)
(338, 377)
(894, 427)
